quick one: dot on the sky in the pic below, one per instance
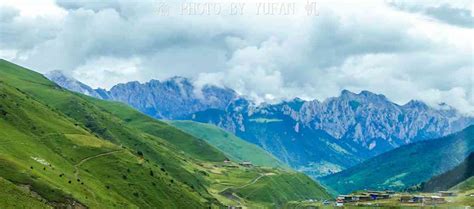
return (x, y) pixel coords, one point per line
(266, 50)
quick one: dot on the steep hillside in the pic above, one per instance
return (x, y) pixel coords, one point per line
(451, 178)
(407, 165)
(70, 149)
(235, 148)
(18, 197)
(465, 186)
(67, 161)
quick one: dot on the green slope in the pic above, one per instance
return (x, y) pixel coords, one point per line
(234, 147)
(71, 149)
(465, 191)
(451, 178)
(405, 166)
(43, 149)
(13, 196)
(280, 189)
(466, 185)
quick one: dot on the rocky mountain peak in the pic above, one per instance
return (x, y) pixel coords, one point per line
(70, 83)
(416, 104)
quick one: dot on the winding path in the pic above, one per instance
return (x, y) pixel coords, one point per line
(245, 185)
(252, 182)
(76, 167)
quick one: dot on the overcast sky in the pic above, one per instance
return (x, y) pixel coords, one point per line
(267, 50)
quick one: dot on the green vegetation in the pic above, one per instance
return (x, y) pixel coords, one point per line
(465, 186)
(70, 149)
(236, 149)
(280, 189)
(13, 196)
(452, 177)
(405, 166)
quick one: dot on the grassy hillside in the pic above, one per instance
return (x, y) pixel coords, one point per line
(49, 152)
(70, 149)
(465, 191)
(235, 148)
(17, 197)
(405, 166)
(452, 177)
(466, 185)
(279, 189)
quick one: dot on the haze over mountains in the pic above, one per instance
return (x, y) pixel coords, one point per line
(317, 137)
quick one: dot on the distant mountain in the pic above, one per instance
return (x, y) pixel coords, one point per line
(407, 165)
(169, 99)
(319, 138)
(451, 178)
(71, 84)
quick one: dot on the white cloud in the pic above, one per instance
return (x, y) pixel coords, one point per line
(108, 71)
(369, 45)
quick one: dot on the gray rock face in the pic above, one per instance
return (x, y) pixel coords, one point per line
(367, 119)
(377, 124)
(170, 99)
(71, 84)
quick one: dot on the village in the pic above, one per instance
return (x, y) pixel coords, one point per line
(367, 198)
(387, 198)
(372, 198)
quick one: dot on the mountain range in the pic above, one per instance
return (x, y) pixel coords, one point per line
(317, 137)
(171, 99)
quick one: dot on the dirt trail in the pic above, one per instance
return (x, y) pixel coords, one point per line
(235, 197)
(76, 167)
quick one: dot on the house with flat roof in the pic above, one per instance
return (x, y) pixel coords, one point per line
(246, 164)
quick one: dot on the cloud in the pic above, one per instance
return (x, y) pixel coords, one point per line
(441, 11)
(395, 50)
(108, 71)
(20, 33)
